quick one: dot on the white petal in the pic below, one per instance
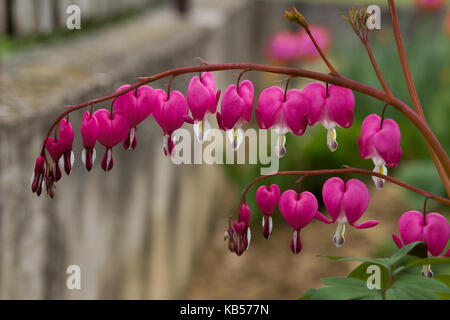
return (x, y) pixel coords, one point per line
(94, 155)
(72, 159)
(61, 162)
(108, 157)
(280, 149)
(32, 179)
(249, 237)
(294, 238)
(236, 137)
(331, 140)
(201, 130)
(83, 156)
(338, 238)
(379, 182)
(270, 225)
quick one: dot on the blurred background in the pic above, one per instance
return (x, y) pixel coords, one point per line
(152, 230)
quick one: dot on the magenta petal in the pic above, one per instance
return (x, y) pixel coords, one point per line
(410, 226)
(436, 233)
(244, 215)
(295, 111)
(319, 216)
(332, 193)
(267, 198)
(397, 240)
(316, 93)
(66, 134)
(365, 225)
(232, 108)
(89, 130)
(298, 210)
(370, 126)
(387, 143)
(447, 254)
(200, 98)
(355, 200)
(111, 130)
(171, 113)
(339, 105)
(269, 106)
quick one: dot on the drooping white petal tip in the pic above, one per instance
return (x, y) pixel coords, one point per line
(236, 137)
(332, 140)
(201, 130)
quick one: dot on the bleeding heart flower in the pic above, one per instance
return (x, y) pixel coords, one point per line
(267, 200)
(332, 107)
(433, 230)
(242, 228)
(236, 108)
(381, 142)
(345, 202)
(298, 210)
(89, 133)
(283, 47)
(283, 113)
(37, 178)
(202, 99)
(137, 105)
(112, 129)
(170, 114)
(60, 149)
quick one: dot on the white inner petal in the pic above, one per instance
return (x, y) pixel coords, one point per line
(108, 158)
(294, 239)
(236, 137)
(83, 157)
(201, 130)
(379, 182)
(280, 149)
(32, 179)
(249, 237)
(72, 158)
(94, 155)
(332, 140)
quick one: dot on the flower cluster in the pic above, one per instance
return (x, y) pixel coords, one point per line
(345, 201)
(288, 111)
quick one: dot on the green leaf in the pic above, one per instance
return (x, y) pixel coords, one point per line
(416, 287)
(444, 278)
(308, 294)
(399, 254)
(426, 261)
(360, 272)
(344, 289)
(373, 261)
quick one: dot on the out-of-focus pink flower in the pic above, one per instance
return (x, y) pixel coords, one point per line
(298, 210)
(283, 114)
(283, 47)
(433, 230)
(332, 107)
(170, 114)
(267, 200)
(306, 48)
(429, 5)
(202, 99)
(345, 202)
(236, 108)
(136, 105)
(381, 142)
(447, 23)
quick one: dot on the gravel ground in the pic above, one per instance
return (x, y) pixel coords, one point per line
(268, 270)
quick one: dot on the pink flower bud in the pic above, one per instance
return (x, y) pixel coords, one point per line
(60, 149)
(298, 211)
(267, 200)
(89, 133)
(38, 175)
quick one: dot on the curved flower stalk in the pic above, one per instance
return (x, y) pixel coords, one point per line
(236, 108)
(112, 129)
(283, 113)
(267, 199)
(298, 210)
(433, 229)
(346, 203)
(170, 113)
(202, 99)
(380, 140)
(332, 106)
(89, 133)
(136, 105)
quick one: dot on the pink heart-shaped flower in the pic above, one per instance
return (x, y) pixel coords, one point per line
(111, 129)
(298, 210)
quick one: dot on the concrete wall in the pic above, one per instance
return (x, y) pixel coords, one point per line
(135, 231)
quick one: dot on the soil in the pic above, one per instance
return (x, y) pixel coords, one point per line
(269, 270)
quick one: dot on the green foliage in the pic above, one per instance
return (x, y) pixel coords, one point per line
(395, 283)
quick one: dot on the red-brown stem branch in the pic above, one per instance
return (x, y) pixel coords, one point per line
(443, 173)
(340, 81)
(322, 55)
(347, 170)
